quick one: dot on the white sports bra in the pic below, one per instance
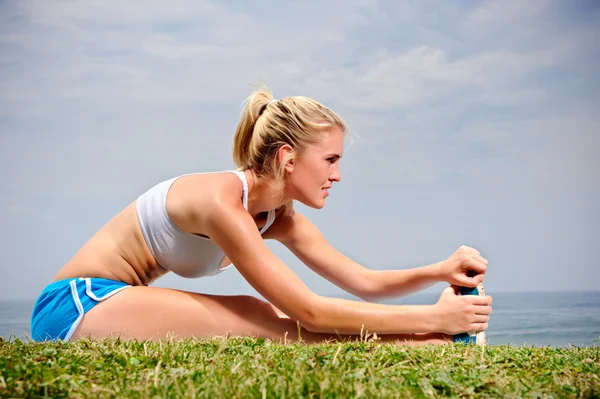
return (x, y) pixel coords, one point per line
(185, 254)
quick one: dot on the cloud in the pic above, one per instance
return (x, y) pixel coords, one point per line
(502, 13)
(473, 118)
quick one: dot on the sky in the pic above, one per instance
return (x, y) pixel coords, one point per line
(470, 123)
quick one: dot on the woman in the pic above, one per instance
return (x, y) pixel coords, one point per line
(199, 224)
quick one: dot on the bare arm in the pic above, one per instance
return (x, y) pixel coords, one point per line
(305, 240)
(395, 283)
(234, 230)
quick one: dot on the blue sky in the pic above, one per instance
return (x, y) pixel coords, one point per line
(473, 123)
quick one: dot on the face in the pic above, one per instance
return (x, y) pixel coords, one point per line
(312, 173)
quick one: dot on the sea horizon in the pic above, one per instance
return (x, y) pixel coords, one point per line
(538, 318)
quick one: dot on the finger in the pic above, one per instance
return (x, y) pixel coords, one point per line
(480, 259)
(455, 289)
(470, 282)
(479, 278)
(481, 300)
(481, 318)
(479, 326)
(472, 277)
(483, 310)
(470, 249)
(477, 266)
(450, 290)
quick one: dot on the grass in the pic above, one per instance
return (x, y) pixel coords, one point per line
(257, 368)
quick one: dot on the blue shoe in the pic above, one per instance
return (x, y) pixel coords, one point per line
(472, 337)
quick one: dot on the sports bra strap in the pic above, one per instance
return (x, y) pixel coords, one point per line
(270, 215)
(270, 220)
(242, 177)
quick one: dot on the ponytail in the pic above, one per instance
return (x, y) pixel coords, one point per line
(254, 106)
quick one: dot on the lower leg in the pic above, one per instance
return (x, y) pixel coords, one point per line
(157, 313)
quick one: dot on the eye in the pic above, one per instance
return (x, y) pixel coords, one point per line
(332, 158)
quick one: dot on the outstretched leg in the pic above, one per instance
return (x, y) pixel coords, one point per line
(158, 313)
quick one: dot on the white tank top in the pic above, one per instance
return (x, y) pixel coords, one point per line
(185, 254)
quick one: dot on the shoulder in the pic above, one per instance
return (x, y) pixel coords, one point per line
(289, 227)
(195, 199)
(216, 187)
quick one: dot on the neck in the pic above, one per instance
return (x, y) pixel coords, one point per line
(264, 193)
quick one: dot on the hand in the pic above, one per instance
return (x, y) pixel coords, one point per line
(465, 267)
(455, 314)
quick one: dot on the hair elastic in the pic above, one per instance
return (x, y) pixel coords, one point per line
(265, 106)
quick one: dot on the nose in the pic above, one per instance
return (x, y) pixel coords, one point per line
(335, 174)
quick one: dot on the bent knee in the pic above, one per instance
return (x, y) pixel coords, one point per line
(251, 305)
(256, 303)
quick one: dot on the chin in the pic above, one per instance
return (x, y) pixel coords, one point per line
(315, 204)
(319, 203)
(320, 206)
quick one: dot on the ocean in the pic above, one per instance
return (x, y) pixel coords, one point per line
(556, 319)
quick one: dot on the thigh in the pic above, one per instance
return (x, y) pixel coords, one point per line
(159, 313)
(156, 313)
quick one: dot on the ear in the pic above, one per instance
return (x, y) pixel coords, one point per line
(285, 154)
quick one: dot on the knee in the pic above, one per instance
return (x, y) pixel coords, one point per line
(253, 302)
(257, 305)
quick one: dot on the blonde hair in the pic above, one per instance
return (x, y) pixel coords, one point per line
(266, 125)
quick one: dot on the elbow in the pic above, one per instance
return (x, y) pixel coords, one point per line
(371, 298)
(312, 326)
(370, 288)
(313, 317)
(323, 317)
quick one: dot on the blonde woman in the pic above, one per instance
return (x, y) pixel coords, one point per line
(201, 224)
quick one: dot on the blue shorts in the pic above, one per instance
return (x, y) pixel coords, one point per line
(61, 306)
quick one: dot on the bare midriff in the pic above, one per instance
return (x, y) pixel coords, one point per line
(117, 251)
